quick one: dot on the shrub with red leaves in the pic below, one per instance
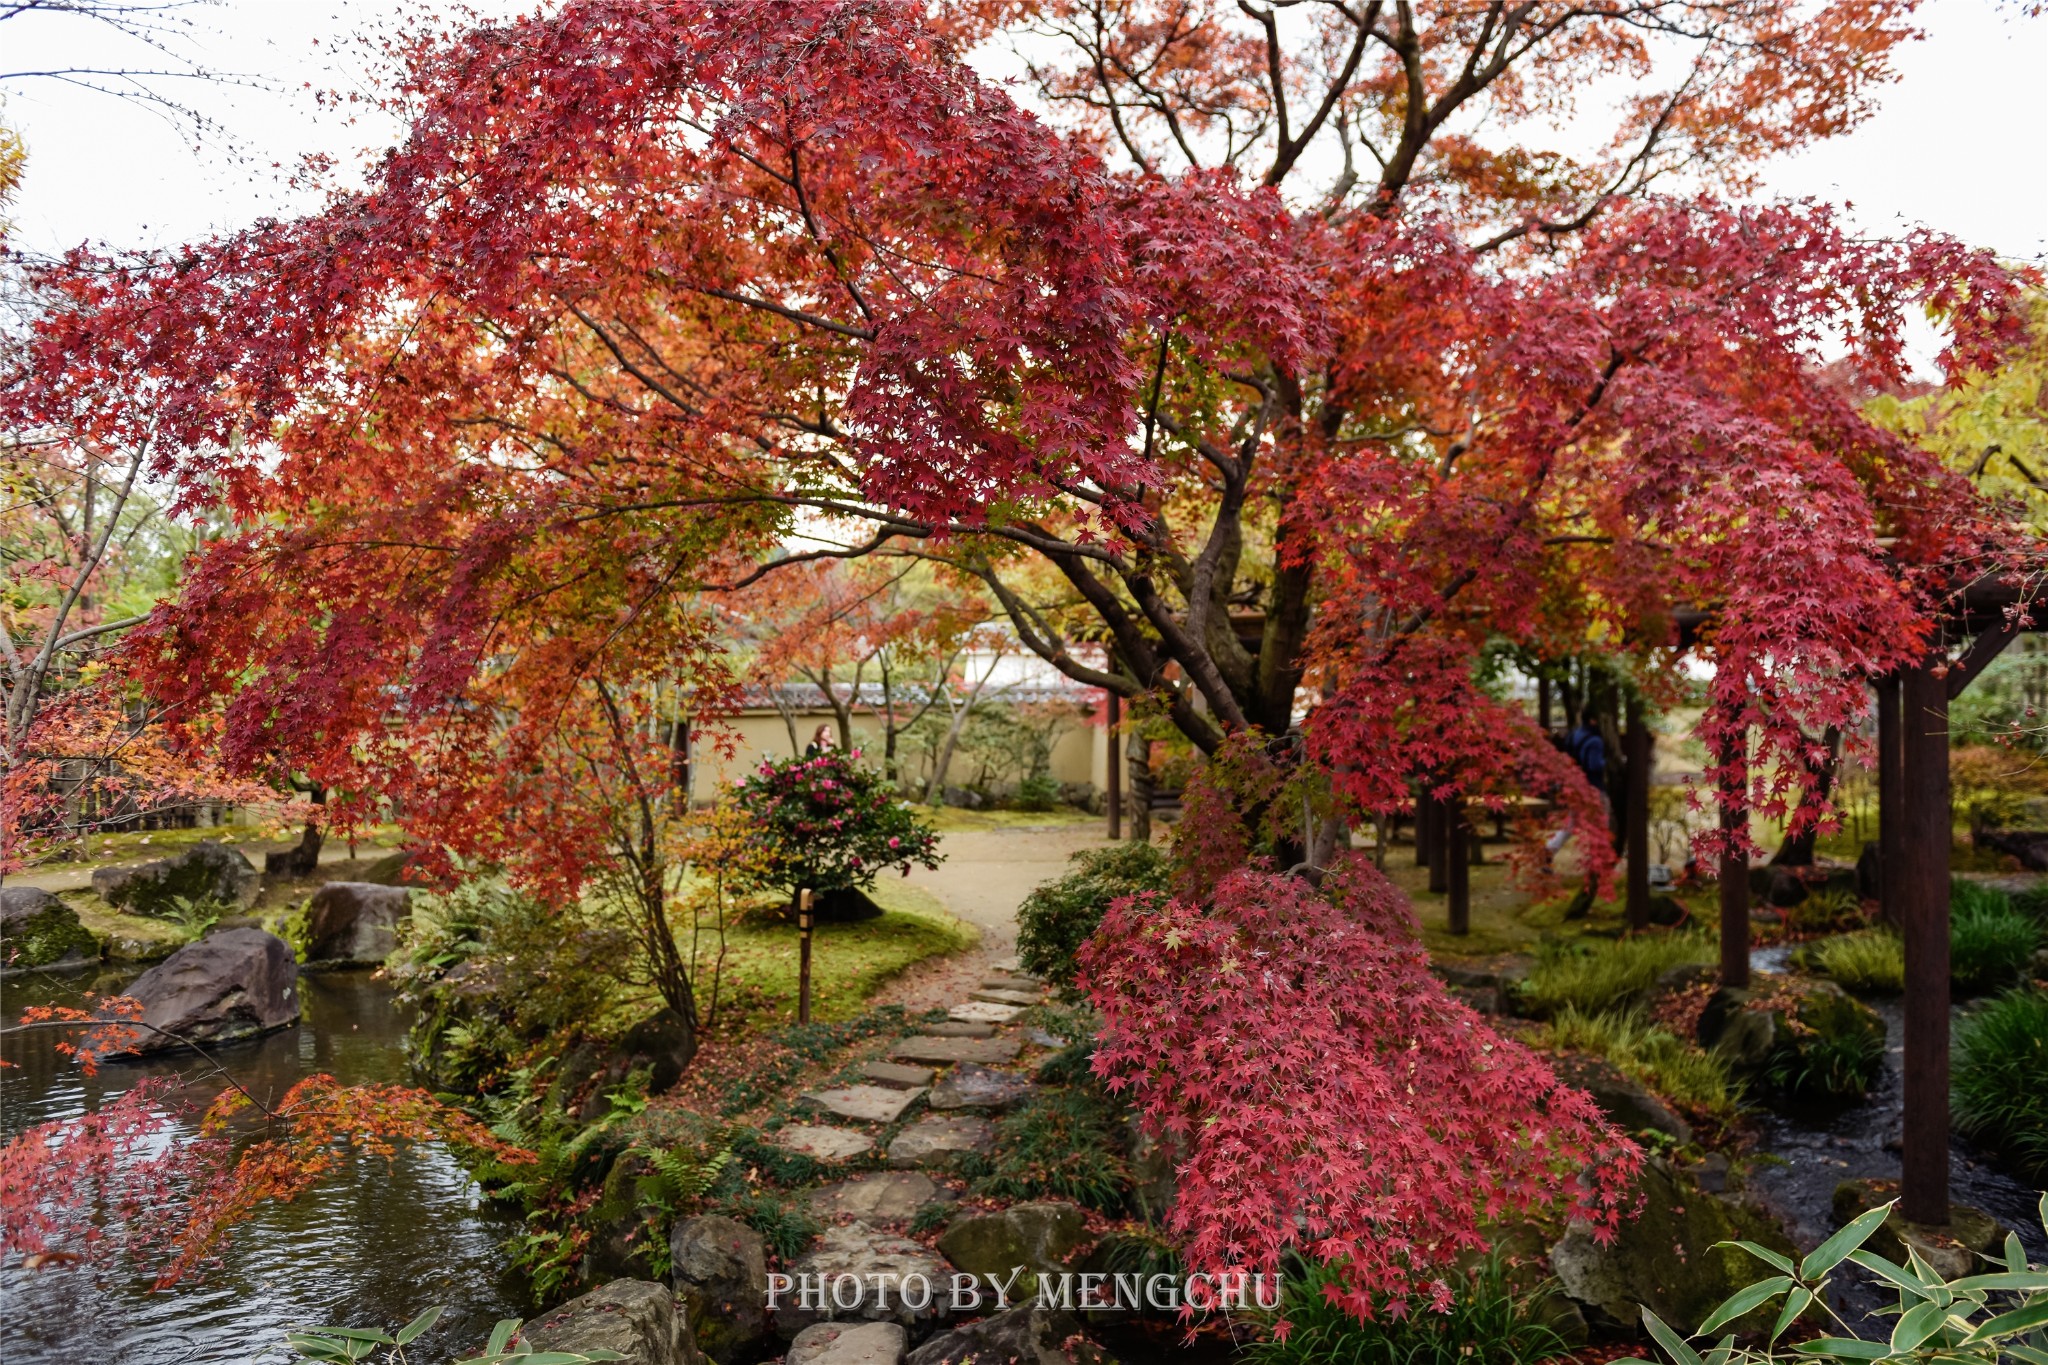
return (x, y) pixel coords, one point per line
(1328, 1094)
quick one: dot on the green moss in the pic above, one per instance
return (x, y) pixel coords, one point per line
(128, 938)
(849, 962)
(47, 935)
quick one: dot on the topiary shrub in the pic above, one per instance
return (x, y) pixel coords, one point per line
(1060, 915)
(1990, 942)
(2001, 1079)
(829, 823)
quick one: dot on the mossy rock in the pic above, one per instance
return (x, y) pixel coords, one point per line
(38, 930)
(1822, 1044)
(1032, 1238)
(124, 937)
(1665, 1258)
(1954, 1249)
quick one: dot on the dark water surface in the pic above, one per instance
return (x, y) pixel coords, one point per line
(373, 1245)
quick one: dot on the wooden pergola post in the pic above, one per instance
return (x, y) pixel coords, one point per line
(1113, 797)
(1734, 867)
(1439, 845)
(1422, 830)
(1916, 882)
(1457, 866)
(1890, 801)
(1636, 816)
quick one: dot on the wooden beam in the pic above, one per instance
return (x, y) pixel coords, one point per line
(1923, 879)
(1635, 829)
(1439, 846)
(1987, 646)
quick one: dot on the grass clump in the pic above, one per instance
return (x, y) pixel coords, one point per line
(849, 962)
(1062, 1145)
(1060, 915)
(1488, 1320)
(2001, 1079)
(1597, 975)
(1870, 961)
(1990, 941)
(1654, 1057)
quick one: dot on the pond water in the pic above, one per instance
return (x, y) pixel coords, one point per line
(1821, 1149)
(372, 1246)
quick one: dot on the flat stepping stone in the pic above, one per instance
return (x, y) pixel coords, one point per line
(953, 1028)
(1012, 965)
(821, 1143)
(898, 1075)
(890, 1197)
(944, 1051)
(848, 1343)
(1020, 998)
(982, 1012)
(968, 1086)
(883, 1264)
(1044, 1039)
(1013, 983)
(866, 1103)
(935, 1138)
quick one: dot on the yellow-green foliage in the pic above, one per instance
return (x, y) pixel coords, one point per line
(1595, 975)
(1656, 1058)
(1870, 960)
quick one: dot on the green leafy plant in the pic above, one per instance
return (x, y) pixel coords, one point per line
(1058, 916)
(1595, 975)
(1486, 1320)
(1990, 942)
(1062, 1145)
(783, 1222)
(1679, 1071)
(1037, 793)
(346, 1345)
(1829, 907)
(1993, 1317)
(1870, 961)
(2001, 1078)
(930, 1217)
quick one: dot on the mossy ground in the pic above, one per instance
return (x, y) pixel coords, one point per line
(124, 937)
(849, 962)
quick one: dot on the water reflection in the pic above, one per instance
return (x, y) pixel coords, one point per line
(375, 1244)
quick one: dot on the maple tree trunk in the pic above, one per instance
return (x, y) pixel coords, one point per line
(1797, 849)
(1140, 761)
(1891, 813)
(1734, 878)
(305, 858)
(1457, 869)
(1636, 819)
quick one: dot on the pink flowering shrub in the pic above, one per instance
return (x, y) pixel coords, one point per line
(1326, 1093)
(826, 822)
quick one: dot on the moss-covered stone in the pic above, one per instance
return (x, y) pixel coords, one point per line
(38, 930)
(207, 874)
(128, 938)
(1665, 1257)
(1029, 1238)
(1954, 1249)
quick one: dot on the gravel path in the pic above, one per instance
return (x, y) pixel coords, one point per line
(985, 875)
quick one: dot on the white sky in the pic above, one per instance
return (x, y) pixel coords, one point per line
(1961, 143)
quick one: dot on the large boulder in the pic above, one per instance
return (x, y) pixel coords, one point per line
(635, 1318)
(231, 985)
(205, 874)
(1026, 1241)
(1632, 1107)
(1025, 1335)
(720, 1271)
(1809, 1041)
(660, 1045)
(354, 924)
(880, 1264)
(1665, 1258)
(38, 930)
(1955, 1249)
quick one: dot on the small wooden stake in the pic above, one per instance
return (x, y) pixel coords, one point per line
(803, 962)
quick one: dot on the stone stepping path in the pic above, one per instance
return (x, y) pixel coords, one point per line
(890, 1197)
(821, 1143)
(841, 1343)
(935, 1138)
(968, 1086)
(1021, 999)
(1031, 985)
(982, 1012)
(943, 1050)
(898, 1075)
(953, 1028)
(863, 1103)
(866, 1253)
